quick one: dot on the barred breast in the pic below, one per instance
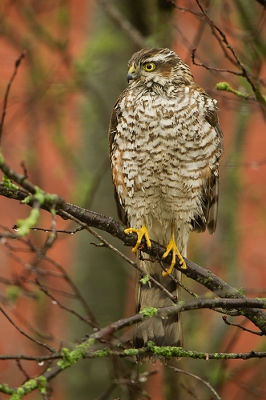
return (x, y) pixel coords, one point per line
(164, 153)
(164, 144)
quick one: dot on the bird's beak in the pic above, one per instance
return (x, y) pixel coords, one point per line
(131, 74)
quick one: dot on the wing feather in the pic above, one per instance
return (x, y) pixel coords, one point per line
(210, 193)
(112, 131)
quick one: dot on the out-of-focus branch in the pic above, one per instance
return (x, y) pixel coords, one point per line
(193, 54)
(24, 333)
(262, 2)
(199, 379)
(17, 64)
(256, 90)
(231, 55)
(241, 327)
(125, 25)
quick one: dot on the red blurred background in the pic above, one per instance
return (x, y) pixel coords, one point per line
(57, 122)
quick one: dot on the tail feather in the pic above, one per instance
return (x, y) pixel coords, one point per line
(162, 331)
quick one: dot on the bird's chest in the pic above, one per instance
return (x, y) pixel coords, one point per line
(156, 141)
(154, 133)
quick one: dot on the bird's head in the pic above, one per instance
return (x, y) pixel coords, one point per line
(156, 65)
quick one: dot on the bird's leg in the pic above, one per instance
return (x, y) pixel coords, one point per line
(143, 231)
(175, 252)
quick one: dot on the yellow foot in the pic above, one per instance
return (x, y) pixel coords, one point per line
(140, 232)
(175, 252)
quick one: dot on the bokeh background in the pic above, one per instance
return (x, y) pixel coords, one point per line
(57, 123)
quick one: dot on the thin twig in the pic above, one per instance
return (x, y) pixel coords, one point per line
(184, 9)
(115, 250)
(24, 168)
(33, 328)
(57, 302)
(193, 53)
(198, 378)
(125, 25)
(17, 64)
(53, 235)
(260, 98)
(179, 283)
(190, 392)
(26, 357)
(66, 231)
(241, 327)
(25, 334)
(33, 267)
(92, 318)
(19, 365)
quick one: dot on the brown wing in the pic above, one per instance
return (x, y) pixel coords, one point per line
(210, 207)
(112, 131)
(211, 215)
(210, 195)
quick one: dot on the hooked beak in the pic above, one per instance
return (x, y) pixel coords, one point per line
(131, 75)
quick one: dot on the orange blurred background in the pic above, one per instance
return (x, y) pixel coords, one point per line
(57, 122)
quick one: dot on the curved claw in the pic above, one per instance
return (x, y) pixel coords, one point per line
(143, 231)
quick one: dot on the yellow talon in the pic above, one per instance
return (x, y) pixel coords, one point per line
(175, 252)
(143, 231)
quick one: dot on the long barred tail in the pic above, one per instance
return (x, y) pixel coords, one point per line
(162, 331)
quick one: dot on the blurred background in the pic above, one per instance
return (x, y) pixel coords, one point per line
(56, 124)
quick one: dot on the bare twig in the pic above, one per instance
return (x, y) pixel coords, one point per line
(19, 365)
(241, 327)
(17, 64)
(258, 95)
(199, 379)
(33, 267)
(26, 357)
(53, 235)
(115, 250)
(193, 54)
(57, 302)
(24, 168)
(125, 25)
(66, 231)
(92, 318)
(25, 334)
(179, 283)
(184, 9)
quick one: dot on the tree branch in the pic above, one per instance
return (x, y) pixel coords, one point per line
(116, 229)
(17, 64)
(119, 19)
(87, 349)
(199, 379)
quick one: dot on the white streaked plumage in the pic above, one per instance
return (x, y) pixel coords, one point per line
(165, 146)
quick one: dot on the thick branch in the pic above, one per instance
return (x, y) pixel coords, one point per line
(116, 229)
(243, 304)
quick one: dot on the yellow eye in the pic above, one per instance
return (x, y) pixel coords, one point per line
(150, 66)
